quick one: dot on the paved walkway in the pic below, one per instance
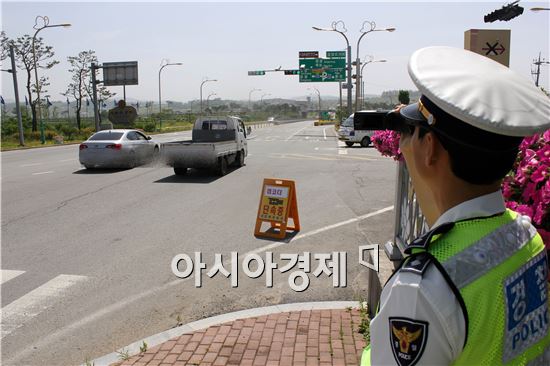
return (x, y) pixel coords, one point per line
(307, 337)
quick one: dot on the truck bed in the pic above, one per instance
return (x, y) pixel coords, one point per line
(191, 154)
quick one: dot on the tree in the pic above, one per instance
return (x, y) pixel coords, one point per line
(22, 47)
(80, 69)
(404, 97)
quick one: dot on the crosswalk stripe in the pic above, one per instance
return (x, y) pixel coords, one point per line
(7, 274)
(15, 314)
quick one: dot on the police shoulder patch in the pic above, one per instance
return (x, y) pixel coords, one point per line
(408, 339)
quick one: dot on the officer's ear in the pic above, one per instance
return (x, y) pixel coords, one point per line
(432, 147)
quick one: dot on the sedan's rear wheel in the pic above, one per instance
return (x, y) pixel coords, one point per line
(365, 142)
(180, 170)
(349, 143)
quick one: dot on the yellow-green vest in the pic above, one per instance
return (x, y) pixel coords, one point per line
(499, 266)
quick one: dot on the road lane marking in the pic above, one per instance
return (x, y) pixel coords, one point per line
(325, 133)
(64, 160)
(295, 133)
(342, 152)
(20, 311)
(26, 165)
(117, 306)
(6, 275)
(40, 173)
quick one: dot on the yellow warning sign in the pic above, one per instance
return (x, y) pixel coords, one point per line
(277, 205)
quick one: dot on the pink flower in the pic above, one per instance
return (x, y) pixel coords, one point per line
(524, 210)
(545, 235)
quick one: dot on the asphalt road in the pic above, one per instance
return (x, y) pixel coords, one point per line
(86, 255)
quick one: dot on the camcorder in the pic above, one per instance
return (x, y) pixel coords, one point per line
(380, 120)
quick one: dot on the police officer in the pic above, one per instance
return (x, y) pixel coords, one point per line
(473, 290)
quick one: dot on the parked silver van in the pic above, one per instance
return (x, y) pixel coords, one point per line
(360, 132)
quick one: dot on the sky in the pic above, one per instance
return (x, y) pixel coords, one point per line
(224, 40)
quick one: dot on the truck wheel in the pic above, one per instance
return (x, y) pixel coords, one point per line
(240, 159)
(180, 171)
(222, 167)
(365, 142)
(349, 143)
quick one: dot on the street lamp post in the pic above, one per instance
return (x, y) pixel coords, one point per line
(372, 26)
(263, 96)
(362, 83)
(342, 32)
(38, 28)
(250, 96)
(163, 65)
(208, 99)
(205, 81)
(319, 99)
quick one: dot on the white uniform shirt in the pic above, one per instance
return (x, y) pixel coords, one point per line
(419, 313)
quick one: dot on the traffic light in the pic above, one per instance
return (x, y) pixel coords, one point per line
(506, 13)
(292, 72)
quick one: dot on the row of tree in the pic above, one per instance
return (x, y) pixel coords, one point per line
(78, 89)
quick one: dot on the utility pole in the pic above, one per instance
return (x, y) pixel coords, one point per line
(19, 120)
(538, 63)
(94, 96)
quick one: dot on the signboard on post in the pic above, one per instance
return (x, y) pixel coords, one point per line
(336, 54)
(277, 205)
(292, 72)
(322, 69)
(308, 54)
(120, 73)
(255, 73)
(493, 43)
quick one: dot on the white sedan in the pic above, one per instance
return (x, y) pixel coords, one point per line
(118, 149)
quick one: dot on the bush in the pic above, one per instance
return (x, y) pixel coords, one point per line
(69, 132)
(49, 134)
(149, 127)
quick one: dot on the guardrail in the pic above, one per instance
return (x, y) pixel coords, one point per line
(409, 223)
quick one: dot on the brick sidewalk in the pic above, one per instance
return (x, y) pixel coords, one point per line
(312, 337)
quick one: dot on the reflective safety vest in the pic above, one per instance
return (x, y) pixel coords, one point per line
(499, 266)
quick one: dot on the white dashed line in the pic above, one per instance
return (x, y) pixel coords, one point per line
(26, 165)
(342, 152)
(325, 133)
(40, 173)
(6, 275)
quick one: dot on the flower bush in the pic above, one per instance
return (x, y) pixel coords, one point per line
(387, 143)
(526, 188)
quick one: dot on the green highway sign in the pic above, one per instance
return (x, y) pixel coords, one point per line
(254, 73)
(322, 70)
(336, 54)
(292, 72)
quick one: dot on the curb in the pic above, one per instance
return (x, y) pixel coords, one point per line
(162, 337)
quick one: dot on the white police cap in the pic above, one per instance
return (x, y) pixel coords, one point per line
(479, 91)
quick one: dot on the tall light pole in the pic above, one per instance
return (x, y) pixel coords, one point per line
(46, 24)
(342, 32)
(319, 99)
(263, 96)
(371, 59)
(364, 31)
(250, 96)
(208, 98)
(163, 65)
(205, 81)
